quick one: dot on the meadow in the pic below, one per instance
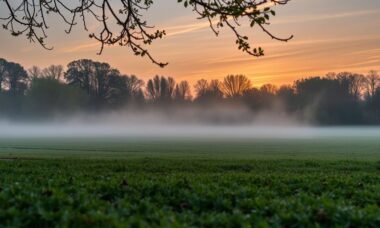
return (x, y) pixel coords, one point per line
(118, 182)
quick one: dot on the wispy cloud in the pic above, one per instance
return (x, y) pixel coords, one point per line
(175, 30)
(80, 47)
(323, 40)
(184, 29)
(330, 16)
(239, 59)
(314, 51)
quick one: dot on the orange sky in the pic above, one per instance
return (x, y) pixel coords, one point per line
(340, 35)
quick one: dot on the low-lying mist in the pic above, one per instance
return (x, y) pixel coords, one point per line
(201, 123)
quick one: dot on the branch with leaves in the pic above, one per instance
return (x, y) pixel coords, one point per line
(122, 22)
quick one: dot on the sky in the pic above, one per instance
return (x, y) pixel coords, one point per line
(329, 36)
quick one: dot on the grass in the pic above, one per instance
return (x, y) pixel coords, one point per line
(259, 183)
(93, 148)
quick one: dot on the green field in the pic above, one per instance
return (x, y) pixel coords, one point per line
(212, 183)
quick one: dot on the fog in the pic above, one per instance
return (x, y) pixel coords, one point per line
(75, 130)
(219, 123)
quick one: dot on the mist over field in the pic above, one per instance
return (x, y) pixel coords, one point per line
(217, 123)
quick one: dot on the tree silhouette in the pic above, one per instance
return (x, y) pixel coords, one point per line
(335, 99)
(286, 95)
(235, 85)
(182, 91)
(79, 73)
(214, 89)
(53, 72)
(3, 66)
(261, 98)
(160, 89)
(14, 76)
(372, 83)
(153, 88)
(88, 75)
(49, 96)
(374, 107)
(124, 89)
(208, 92)
(167, 88)
(269, 89)
(133, 85)
(35, 72)
(122, 23)
(201, 87)
(355, 83)
(96, 79)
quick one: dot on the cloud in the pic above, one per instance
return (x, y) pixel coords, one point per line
(184, 29)
(176, 30)
(323, 40)
(319, 17)
(81, 47)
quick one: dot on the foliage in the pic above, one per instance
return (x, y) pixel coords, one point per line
(13, 76)
(261, 183)
(189, 192)
(61, 99)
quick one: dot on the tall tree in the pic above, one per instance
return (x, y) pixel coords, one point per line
(53, 72)
(201, 87)
(215, 89)
(3, 72)
(235, 85)
(331, 101)
(208, 91)
(355, 83)
(35, 72)
(287, 96)
(134, 85)
(79, 73)
(182, 91)
(261, 98)
(153, 88)
(90, 76)
(372, 83)
(16, 78)
(160, 89)
(99, 80)
(124, 89)
(48, 96)
(269, 88)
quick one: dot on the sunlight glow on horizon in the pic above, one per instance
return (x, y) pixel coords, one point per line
(344, 37)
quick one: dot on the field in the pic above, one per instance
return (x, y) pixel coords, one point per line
(213, 183)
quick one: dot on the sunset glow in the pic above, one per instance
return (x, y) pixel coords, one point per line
(342, 37)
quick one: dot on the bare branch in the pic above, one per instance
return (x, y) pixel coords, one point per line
(122, 23)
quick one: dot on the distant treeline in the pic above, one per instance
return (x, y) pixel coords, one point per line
(88, 86)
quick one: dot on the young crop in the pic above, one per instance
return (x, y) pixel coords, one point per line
(188, 192)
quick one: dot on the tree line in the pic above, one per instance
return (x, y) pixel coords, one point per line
(85, 85)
